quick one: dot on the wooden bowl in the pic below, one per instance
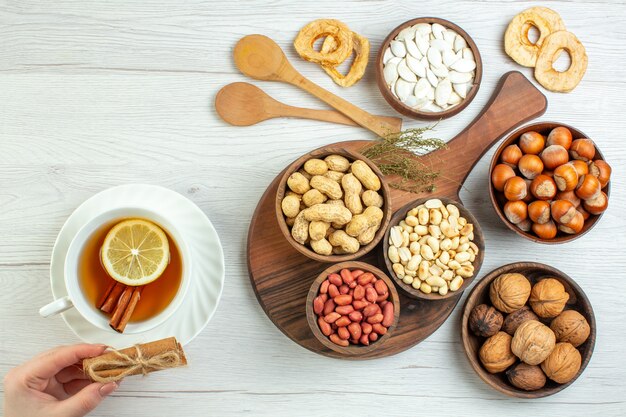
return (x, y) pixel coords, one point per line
(479, 240)
(480, 295)
(402, 108)
(321, 153)
(352, 350)
(498, 199)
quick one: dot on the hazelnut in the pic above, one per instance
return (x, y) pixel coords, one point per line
(562, 211)
(485, 320)
(570, 326)
(539, 211)
(525, 225)
(548, 297)
(554, 156)
(509, 292)
(543, 187)
(516, 211)
(532, 342)
(547, 230)
(584, 212)
(601, 170)
(581, 167)
(511, 155)
(566, 177)
(513, 320)
(531, 143)
(588, 187)
(515, 189)
(560, 136)
(569, 196)
(582, 149)
(526, 377)
(500, 175)
(575, 225)
(563, 363)
(495, 354)
(598, 204)
(530, 166)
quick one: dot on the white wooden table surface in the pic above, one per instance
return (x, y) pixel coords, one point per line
(96, 94)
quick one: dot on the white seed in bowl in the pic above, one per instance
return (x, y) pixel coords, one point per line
(435, 54)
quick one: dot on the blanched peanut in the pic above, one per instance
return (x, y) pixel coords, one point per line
(372, 198)
(298, 183)
(290, 206)
(315, 167)
(440, 244)
(300, 229)
(317, 230)
(329, 213)
(365, 174)
(352, 189)
(313, 197)
(337, 163)
(326, 186)
(371, 217)
(342, 240)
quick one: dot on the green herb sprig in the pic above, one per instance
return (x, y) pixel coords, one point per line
(398, 154)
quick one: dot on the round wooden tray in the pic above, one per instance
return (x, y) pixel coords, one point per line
(281, 276)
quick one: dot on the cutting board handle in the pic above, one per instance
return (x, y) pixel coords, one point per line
(515, 101)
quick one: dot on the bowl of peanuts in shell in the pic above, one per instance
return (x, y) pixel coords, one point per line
(332, 205)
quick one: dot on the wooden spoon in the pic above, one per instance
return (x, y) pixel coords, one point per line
(259, 57)
(243, 104)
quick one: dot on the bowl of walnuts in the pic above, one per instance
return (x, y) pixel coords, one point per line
(528, 330)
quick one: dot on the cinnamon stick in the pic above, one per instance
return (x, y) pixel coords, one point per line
(125, 308)
(106, 294)
(111, 300)
(140, 359)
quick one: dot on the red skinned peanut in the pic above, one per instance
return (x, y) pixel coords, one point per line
(339, 341)
(343, 321)
(345, 310)
(318, 305)
(324, 327)
(335, 279)
(387, 315)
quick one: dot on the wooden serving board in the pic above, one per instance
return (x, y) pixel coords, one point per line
(281, 276)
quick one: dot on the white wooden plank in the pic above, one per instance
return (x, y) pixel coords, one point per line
(104, 93)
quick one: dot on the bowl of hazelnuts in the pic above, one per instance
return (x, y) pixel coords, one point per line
(528, 330)
(549, 182)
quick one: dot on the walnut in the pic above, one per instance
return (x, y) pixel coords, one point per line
(513, 320)
(509, 292)
(548, 297)
(533, 342)
(485, 320)
(526, 377)
(495, 354)
(570, 326)
(563, 363)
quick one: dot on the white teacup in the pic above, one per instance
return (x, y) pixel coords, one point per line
(76, 298)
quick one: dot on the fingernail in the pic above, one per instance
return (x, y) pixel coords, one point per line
(107, 389)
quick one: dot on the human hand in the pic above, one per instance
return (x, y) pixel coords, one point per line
(53, 385)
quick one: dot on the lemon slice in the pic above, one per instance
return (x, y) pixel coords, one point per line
(135, 252)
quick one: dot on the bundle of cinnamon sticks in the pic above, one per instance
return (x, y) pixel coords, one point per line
(115, 365)
(120, 301)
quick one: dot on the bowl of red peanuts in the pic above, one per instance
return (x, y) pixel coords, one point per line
(352, 308)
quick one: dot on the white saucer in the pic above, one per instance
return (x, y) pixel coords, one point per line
(207, 278)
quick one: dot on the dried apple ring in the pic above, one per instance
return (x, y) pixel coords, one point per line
(361, 47)
(552, 79)
(516, 42)
(305, 41)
